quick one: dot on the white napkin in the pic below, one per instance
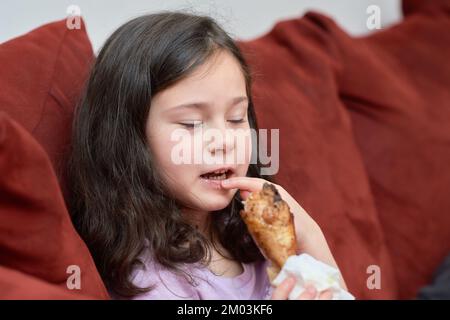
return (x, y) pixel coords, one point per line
(310, 271)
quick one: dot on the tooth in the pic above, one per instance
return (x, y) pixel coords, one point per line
(216, 175)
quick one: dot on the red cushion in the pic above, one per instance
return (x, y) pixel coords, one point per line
(419, 6)
(396, 87)
(37, 238)
(16, 285)
(42, 74)
(295, 67)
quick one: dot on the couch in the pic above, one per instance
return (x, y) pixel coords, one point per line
(364, 147)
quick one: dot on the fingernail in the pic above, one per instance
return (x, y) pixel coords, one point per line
(225, 182)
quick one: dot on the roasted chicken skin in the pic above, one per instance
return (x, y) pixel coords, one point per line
(271, 224)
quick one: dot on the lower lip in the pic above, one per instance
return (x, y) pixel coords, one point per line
(214, 184)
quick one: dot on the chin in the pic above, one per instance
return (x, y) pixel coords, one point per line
(210, 206)
(215, 202)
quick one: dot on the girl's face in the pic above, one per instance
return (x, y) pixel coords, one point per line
(212, 100)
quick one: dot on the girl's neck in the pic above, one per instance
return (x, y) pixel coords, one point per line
(201, 220)
(221, 261)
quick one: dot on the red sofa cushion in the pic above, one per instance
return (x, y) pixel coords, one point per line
(37, 238)
(17, 285)
(396, 88)
(41, 79)
(42, 74)
(420, 6)
(295, 68)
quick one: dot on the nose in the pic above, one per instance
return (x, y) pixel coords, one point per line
(221, 139)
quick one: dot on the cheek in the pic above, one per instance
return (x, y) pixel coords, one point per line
(243, 148)
(159, 146)
(164, 150)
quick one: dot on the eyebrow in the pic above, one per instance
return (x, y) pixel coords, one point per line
(199, 105)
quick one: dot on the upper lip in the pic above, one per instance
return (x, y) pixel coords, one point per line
(224, 169)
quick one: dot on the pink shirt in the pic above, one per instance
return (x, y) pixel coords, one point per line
(252, 284)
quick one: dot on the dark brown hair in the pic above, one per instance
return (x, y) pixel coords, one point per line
(118, 202)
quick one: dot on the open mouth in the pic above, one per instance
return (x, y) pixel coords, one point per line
(220, 174)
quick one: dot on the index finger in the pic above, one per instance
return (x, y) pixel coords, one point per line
(243, 183)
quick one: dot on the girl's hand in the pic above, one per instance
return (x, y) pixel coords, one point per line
(284, 289)
(310, 238)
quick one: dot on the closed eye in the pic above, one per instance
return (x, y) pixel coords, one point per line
(191, 125)
(237, 121)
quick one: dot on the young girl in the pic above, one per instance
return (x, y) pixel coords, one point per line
(159, 229)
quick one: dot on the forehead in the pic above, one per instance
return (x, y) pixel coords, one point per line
(220, 78)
